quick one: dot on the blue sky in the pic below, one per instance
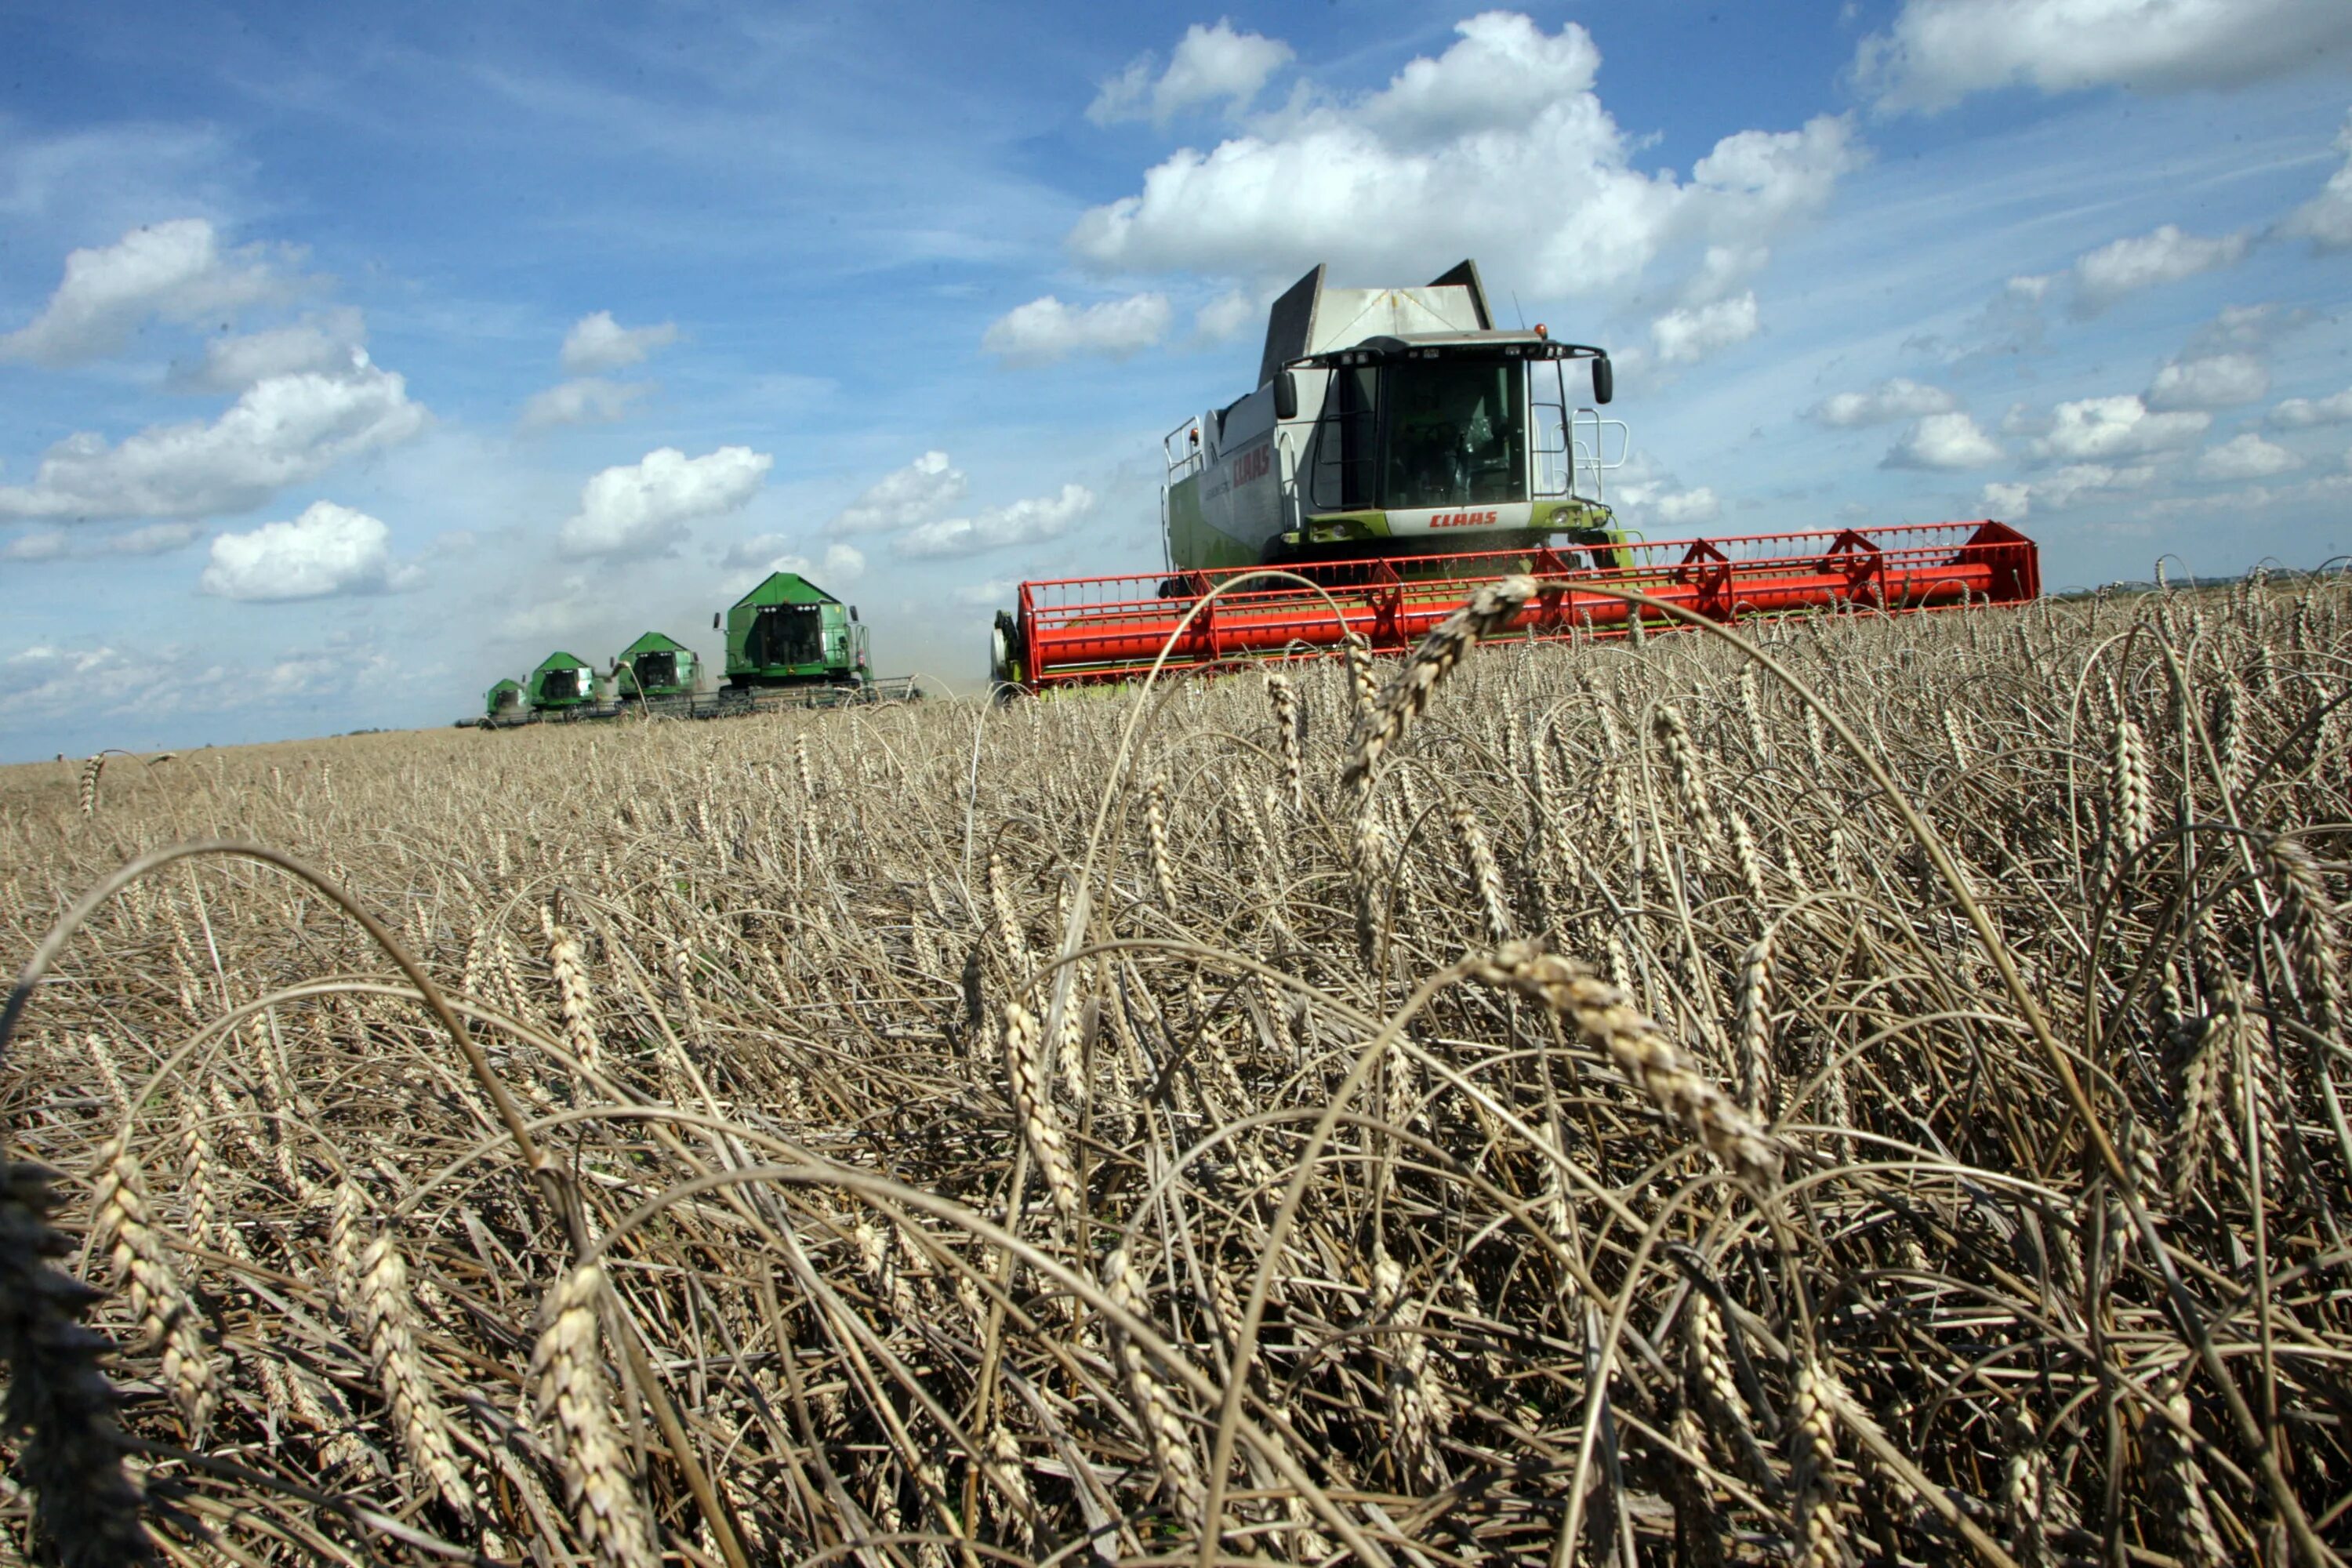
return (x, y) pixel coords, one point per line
(346, 365)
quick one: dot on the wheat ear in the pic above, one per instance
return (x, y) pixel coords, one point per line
(1606, 1016)
(1155, 1408)
(59, 1407)
(1025, 1070)
(122, 1227)
(388, 1318)
(569, 1377)
(1409, 691)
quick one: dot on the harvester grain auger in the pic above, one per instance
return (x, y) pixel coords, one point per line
(1401, 449)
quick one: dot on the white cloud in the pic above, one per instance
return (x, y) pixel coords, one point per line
(599, 342)
(2106, 275)
(587, 400)
(2246, 457)
(2010, 502)
(1687, 335)
(2063, 489)
(1023, 522)
(284, 430)
(1045, 328)
(329, 549)
(2303, 413)
(1937, 51)
(903, 498)
(334, 342)
(842, 565)
(1942, 441)
(2095, 429)
(1396, 184)
(2326, 220)
(175, 270)
(2216, 381)
(1210, 63)
(643, 508)
(1646, 497)
(1226, 317)
(60, 544)
(1900, 398)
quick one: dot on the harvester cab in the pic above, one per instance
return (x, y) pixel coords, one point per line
(1393, 423)
(654, 667)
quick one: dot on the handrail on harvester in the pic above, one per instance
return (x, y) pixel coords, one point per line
(1077, 629)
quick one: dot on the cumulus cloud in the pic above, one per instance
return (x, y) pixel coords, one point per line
(1938, 51)
(1023, 522)
(1212, 63)
(327, 344)
(1690, 335)
(1226, 317)
(2010, 502)
(175, 270)
(2303, 413)
(1942, 441)
(1447, 154)
(903, 498)
(328, 549)
(643, 507)
(2246, 457)
(842, 565)
(1648, 497)
(2076, 483)
(2096, 429)
(586, 400)
(59, 544)
(2216, 381)
(2108, 274)
(2326, 220)
(1898, 398)
(599, 342)
(283, 430)
(1045, 328)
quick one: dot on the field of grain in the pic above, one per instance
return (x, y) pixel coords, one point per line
(1646, 1115)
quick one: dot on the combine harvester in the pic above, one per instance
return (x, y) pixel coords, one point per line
(1399, 451)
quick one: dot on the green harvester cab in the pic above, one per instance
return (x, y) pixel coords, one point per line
(503, 701)
(561, 682)
(654, 667)
(789, 632)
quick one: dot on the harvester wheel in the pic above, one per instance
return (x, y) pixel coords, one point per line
(1007, 660)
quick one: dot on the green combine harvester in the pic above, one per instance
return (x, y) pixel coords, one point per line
(790, 643)
(502, 703)
(562, 686)
(655, 669)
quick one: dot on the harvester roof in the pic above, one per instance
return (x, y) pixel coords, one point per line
(654, 642)
(785, 588)
(560, 661)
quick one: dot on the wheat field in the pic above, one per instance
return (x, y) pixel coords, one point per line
(1879, 1100)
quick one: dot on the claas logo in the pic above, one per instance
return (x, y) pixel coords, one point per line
(1254, 464)
(1465, 519)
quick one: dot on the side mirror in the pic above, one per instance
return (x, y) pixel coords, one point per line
(1604, 379)
(714, 620)
(1286, 395)
(853, 615)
